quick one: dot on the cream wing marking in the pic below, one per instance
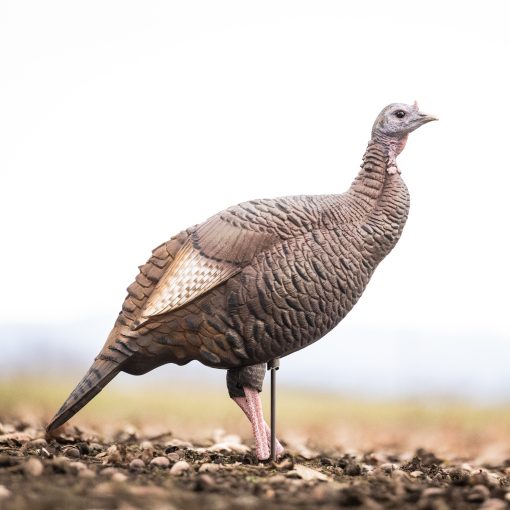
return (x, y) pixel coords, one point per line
(189, 276)
(214, 252)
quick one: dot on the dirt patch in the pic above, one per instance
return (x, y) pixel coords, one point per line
(79, 470)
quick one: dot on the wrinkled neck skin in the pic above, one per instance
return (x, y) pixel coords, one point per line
(377, 182)
(394, 145)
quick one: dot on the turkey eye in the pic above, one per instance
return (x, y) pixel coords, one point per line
(400, 114)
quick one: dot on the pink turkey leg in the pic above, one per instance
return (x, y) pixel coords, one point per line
(241, 402)
(257, 422)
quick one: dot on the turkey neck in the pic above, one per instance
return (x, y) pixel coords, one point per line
(381, 199)
(373, 178)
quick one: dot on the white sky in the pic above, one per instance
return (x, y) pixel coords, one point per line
(123, 122)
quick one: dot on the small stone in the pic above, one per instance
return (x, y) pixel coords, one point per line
(388, 467)
(400, 475)
(161, 462)
(478, 494)
(507, 496)
(494, 504)
(77, 466)
(113, 455)
(61, 464)
(86, 473)
(33, 467)
(367, 468)
(119, 477)
(179, 468)
(229, 447)
(136, 464)
(38, 443)
(109, 471)
(493, 479)
(204, 482)
(84, 448)
(209, 467)
(4, 492)
(96, 447)
(43, 452)
(72, 452)
(178, 443)
(459, 476)
(285, 464)
(416, 474)
(479, 477)
(307, 474)
(352, 469)
(174, 456)
(147, 451)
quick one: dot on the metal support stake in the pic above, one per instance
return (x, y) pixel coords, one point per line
(273, 366)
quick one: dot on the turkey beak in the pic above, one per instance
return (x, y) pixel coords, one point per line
(424, 118)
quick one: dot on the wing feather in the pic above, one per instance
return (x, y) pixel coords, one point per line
(215, 251)
(189, 276)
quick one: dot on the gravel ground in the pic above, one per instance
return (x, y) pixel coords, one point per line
(79, 470)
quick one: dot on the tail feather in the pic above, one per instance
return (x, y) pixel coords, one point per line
(97, 377)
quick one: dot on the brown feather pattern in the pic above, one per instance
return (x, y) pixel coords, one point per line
(261, 279)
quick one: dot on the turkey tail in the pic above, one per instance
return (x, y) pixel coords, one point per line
(97, 377)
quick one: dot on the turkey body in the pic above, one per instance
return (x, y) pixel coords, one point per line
(259, 281)
(295, 267)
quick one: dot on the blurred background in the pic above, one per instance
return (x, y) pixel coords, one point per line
(123, 122)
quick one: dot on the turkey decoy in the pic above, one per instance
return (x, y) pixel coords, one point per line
(259, 280)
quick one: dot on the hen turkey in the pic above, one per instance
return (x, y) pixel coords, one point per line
(259, 280)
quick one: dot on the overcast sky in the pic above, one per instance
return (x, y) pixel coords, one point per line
(123, 122)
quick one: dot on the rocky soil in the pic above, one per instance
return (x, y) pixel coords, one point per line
(79, 470)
